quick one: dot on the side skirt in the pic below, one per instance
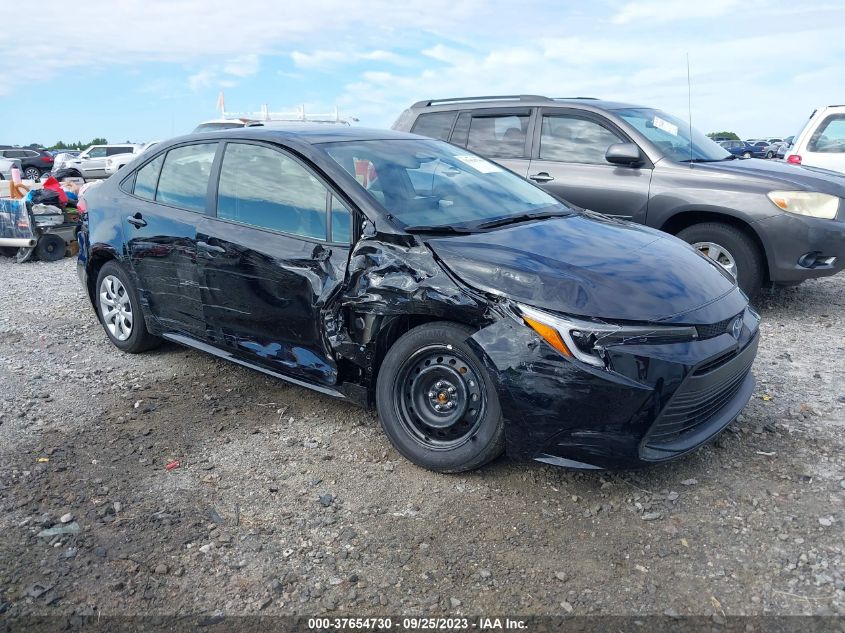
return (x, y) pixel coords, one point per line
(187, 341)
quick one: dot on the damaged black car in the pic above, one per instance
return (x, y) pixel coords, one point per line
(477, 313)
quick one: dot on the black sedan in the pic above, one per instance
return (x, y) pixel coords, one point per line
(476, 312)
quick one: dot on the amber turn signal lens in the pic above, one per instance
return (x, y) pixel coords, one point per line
(549, 334)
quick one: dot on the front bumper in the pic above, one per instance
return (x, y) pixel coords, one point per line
(658, 403)
(790, 238)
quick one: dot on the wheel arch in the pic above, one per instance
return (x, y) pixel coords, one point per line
(96, 260)
(684, 219)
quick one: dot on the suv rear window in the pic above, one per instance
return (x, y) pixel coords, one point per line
(434, 124)
(499, 136)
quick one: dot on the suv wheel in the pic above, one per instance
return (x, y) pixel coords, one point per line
(730, 248)
(120, 312)
(32, 173)
(436, 401)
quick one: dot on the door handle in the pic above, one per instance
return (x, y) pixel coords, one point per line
(541, 177)
(137, 220)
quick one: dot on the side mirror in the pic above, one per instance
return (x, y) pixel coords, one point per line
(623, 154)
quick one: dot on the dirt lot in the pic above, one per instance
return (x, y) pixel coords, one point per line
(288, 502)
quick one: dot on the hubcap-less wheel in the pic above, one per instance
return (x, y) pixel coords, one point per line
(116, 307)
(440, 399)
(718, 253)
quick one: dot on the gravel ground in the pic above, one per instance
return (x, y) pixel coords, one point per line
(288, 502)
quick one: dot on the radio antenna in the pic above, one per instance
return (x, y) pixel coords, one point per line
(689, 110)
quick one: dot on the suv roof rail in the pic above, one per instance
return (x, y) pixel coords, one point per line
(427, 102)
(577, 98)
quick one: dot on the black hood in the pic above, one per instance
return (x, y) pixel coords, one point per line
(589, 266)
(783, 176)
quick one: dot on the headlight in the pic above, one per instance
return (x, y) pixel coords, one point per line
(586, 340)
(812, 203)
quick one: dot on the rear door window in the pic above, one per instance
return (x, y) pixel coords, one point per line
(265, 188)
(434, 124)
(184, 176)
(830, 137)
(498, 135)
(112, 151)
(573, 139)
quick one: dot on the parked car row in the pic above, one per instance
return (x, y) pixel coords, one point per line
(454, 275)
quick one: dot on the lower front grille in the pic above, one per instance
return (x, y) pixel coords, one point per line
(701, 398)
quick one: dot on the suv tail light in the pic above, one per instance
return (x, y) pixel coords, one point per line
(47, 159)
(795, 159)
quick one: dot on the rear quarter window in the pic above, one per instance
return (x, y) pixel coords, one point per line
(434, 124)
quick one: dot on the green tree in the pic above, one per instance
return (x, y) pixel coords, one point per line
(731, 136)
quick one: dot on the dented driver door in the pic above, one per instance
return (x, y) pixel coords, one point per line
(269, 262)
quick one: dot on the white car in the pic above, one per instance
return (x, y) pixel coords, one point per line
(822, 141)
(115, 162)
(92, 162)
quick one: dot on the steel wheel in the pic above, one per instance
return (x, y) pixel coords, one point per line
(439, 398)
(719, 254)
(116, 308)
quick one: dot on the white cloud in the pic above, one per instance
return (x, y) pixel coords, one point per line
(662, 11)
(242, 66)
(323, 58)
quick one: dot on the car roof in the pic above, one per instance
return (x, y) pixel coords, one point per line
(520, 100)
(310, 134)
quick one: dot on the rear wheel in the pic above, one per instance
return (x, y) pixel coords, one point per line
(32, 173)
(50, 248)
(746, 155)
(436, 401)
(120, 310)
(730, 248)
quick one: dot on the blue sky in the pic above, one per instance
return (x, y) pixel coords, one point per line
(149, 69)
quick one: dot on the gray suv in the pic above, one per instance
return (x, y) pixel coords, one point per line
(765, 222)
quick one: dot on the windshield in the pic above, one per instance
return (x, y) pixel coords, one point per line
(672, 135)
(433, 184)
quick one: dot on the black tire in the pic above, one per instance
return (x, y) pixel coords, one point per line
(8, 251)
(470, 432)
(770, 154)
(745, 252)
(32, 173)
(24, 255)
(50, 248)
(140, 338)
